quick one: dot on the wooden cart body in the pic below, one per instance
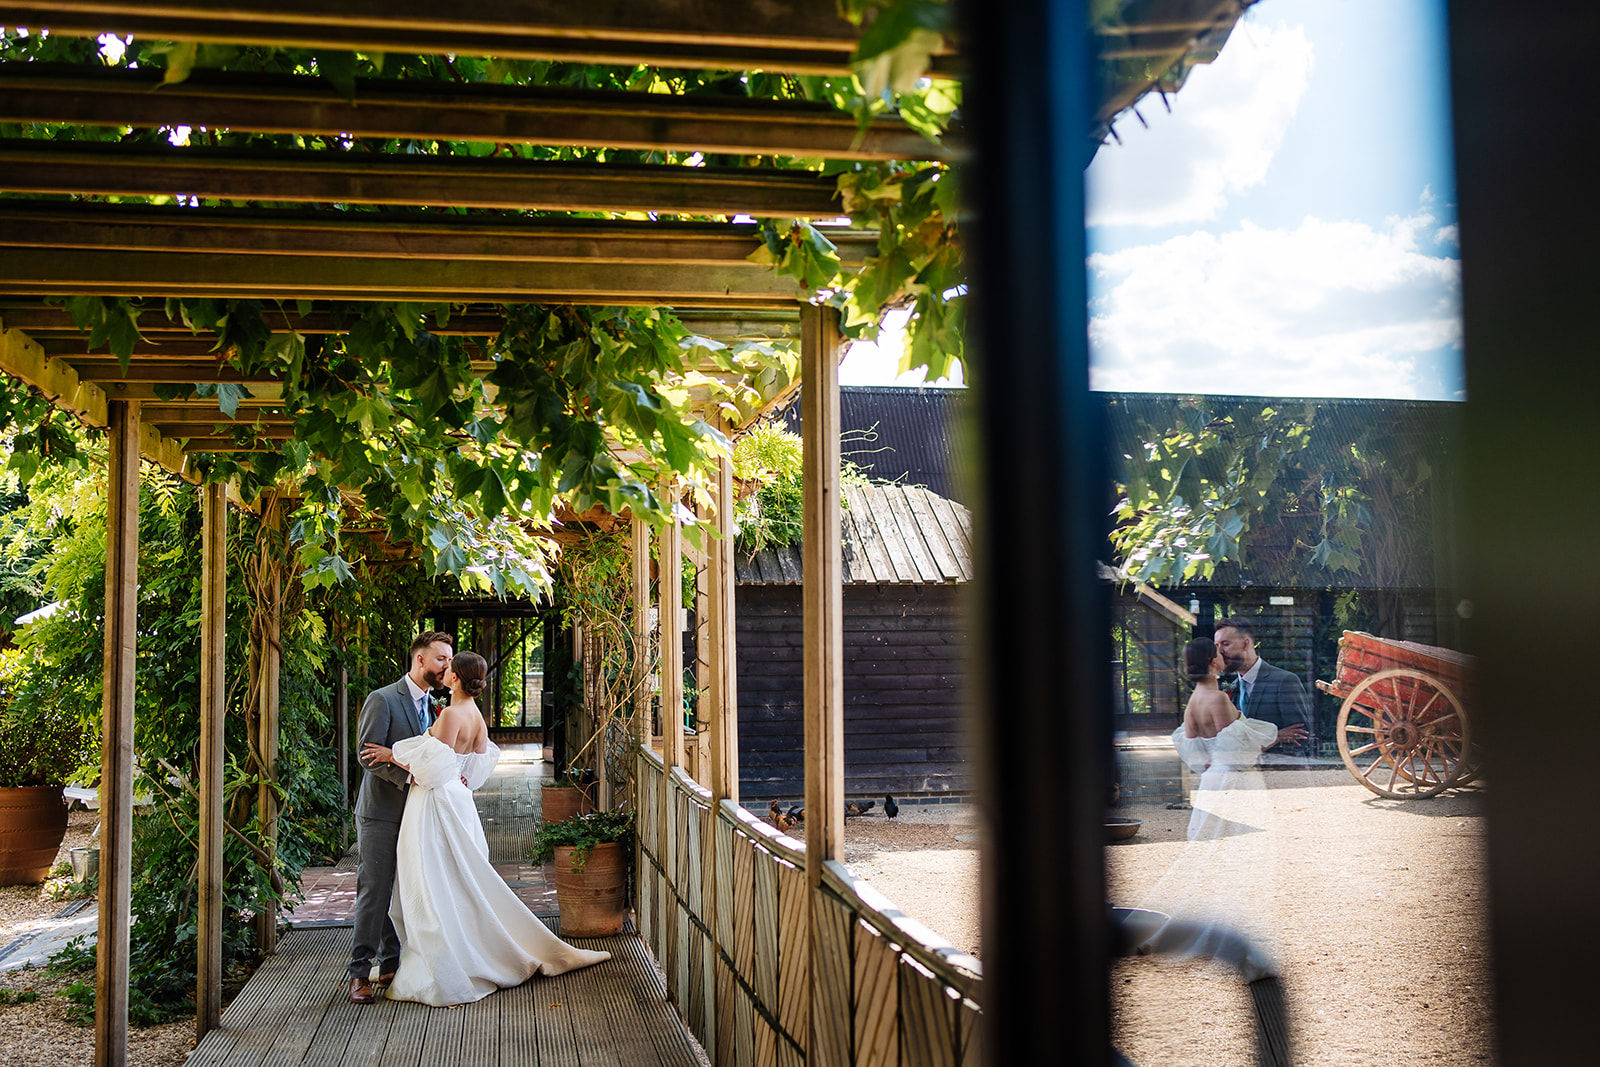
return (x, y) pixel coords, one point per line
(1403, 728)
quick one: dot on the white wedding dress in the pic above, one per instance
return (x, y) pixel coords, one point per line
(1230, 790)
(463, 932)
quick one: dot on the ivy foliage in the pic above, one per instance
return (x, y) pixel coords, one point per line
(1287, 492)
(55, 535)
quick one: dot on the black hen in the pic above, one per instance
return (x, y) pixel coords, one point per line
(890, 808)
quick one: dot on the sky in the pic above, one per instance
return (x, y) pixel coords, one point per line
(1288, 229)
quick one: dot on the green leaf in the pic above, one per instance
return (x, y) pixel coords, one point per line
(180, 61)
(340, 70)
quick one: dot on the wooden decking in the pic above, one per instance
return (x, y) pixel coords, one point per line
(294, 1010)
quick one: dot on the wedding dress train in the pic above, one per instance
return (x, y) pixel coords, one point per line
(463, 932)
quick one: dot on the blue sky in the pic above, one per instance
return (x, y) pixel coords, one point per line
(1289, 229)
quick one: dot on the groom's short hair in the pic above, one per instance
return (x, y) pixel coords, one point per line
(1240, 623)
(429, 637)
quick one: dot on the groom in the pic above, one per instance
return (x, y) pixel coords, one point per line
(1265, 692)
(389, 715)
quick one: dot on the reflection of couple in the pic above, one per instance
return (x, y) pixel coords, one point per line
(1224, 739)
(441, 923)
(1266, 709)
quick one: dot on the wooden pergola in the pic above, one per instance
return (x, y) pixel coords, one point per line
(495, 252)
(774, 954)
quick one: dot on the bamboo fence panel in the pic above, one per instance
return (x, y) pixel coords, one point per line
(747, 947)
(876, 1000)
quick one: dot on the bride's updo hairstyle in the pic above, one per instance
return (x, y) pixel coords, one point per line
(472, 670)
(1197, 657)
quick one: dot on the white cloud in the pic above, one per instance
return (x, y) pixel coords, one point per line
(1326, 309)
(869, 363)
(1225, 127)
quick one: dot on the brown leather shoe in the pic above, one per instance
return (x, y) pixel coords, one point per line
(384, 979)
(361, 991)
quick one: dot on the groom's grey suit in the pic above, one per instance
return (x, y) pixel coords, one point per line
(387, 716)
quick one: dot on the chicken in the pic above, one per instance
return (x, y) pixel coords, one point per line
(890, 808)
(779, 819)
(855, 807)
(797, 812)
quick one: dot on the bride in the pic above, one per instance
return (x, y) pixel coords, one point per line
(1217, 741)
(463, 932)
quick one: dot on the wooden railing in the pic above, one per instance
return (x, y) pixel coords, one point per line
(767, 972)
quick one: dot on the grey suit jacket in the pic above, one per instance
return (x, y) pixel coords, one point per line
(387, 716)
(1279, 697)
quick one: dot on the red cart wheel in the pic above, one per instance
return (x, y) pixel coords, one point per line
(1403, 734)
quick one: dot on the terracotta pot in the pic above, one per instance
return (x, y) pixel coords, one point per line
(593, 901)
(33, 820)
(562, 802)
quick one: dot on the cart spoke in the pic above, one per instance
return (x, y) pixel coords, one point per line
(1360, 730)
(1364, 749)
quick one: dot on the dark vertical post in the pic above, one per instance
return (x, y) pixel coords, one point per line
(1042, 723)
(210, 759)
(1532, 501)
(116, 767)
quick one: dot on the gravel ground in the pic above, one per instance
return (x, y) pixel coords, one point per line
(42, 1033)
(1372, 909)
(926, 861)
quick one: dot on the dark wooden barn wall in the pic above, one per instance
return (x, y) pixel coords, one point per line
(904, 673)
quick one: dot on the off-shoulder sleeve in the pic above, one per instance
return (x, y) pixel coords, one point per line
(477, 767)
(1262, 733)
(432, 762)
(1195, 751)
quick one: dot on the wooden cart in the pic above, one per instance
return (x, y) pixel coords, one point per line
(1403, 728)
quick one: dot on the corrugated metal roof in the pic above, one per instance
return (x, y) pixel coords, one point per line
(892, 535)
(900, 434)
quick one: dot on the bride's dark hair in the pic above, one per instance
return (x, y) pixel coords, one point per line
(472, 670)
(1197, 657)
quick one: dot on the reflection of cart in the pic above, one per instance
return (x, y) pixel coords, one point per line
(1403, 729)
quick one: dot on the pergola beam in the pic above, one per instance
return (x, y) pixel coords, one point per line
(48, 271)
(356, 235)
(797, 36)
(96, 168)
(44, 323)
(420, 110)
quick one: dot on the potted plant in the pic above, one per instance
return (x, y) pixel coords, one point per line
(567, 796)
(45, 743)
(591, 860)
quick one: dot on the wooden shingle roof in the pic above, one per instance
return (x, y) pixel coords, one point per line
(892, 534)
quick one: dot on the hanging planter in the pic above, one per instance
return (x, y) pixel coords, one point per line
(33, 822)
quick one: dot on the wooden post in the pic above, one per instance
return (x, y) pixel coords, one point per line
(341, 707)
(670, 596)
(822, 599)
(271, 654)
(641, 630)
(822, 589)
(116, 768)
(210, 761)
(724, 689)
(702, 661)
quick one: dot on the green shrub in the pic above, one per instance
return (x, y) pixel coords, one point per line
(582, 833)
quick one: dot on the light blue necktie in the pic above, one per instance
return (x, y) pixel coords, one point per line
(1244, 693)
(422, 711)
